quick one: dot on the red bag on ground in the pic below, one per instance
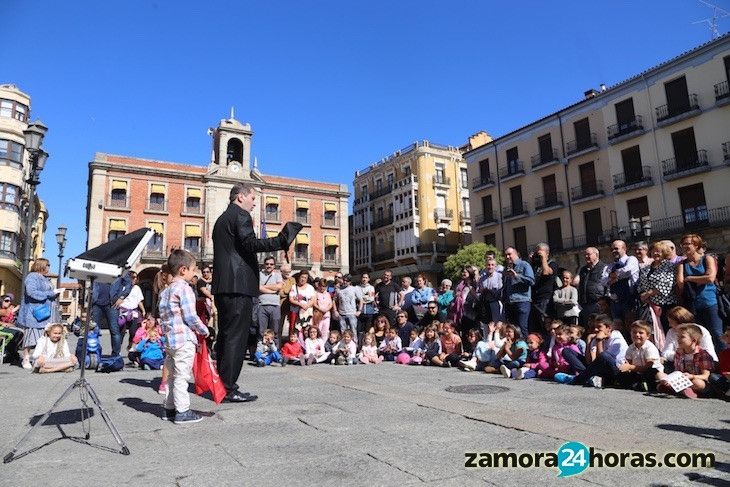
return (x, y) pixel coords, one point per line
(206, 374)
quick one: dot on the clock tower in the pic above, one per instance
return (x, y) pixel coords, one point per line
(231, 156)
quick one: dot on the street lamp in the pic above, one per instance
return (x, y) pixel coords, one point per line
(33, 135)
(61, 239)
(646, 227)
(634, 226)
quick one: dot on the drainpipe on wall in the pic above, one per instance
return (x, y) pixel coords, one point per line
(499, 196)
(652, 112)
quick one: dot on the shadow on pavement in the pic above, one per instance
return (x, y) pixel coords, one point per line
(69, 416)
(155, 409)
(154, 383)
(722, 434)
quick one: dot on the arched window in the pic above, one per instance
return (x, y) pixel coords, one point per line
(234, 151)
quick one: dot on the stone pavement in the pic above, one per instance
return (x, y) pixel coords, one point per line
(351, 425)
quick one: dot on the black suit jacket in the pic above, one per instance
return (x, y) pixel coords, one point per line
(235, 266)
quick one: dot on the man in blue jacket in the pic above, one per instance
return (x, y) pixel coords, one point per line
(518, 278)
(106, 300)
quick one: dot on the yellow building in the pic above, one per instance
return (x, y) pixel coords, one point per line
(411, 210)
(14, 168)
(646, 158)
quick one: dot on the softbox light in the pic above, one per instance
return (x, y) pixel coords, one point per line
(107, 261)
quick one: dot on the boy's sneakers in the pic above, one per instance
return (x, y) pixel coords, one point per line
(163, 388)
(169, 415)
(27, 365)
(507, 373)
(282, 362)
(641, 387)
(341, 360)
(689, 393)
(519, 374)
(187, 417)
(564, 378)
(596, 382)
(260, 363)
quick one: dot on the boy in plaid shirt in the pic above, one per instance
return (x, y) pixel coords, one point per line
(180, 323)
(690, 359)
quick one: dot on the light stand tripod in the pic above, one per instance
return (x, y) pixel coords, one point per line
(85, 391)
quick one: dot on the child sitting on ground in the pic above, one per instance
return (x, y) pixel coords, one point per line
(314, 347)
(429, 349)
(330, 346)
(642, 360)
(486, 350)
(551, 327)
(451, 347)
(266, 351)
(576, 336)
(390, 346)
(369, 352)
(694, 362)
(51, 353)
(346, 351)
(559, 365)
(414, 341)
(513, 352)
(468, 360)
(292, 351)
(149, 323)
(721, 381)
(151, 354)
(679, 316)
(536, 363)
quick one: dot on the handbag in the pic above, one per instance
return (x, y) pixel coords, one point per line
(206, 374)
(42, 312)
(723, 304)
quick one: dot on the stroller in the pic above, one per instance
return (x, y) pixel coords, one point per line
(93, 349)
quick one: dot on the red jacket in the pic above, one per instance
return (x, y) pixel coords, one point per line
(292, 350)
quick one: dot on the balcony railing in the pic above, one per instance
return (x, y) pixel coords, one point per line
(579, 145)
(514, 211)
(122, 203)
(384, 256)
(272, 216)
(485, 219)
(666, 112)
(512, 168)
(580, 241)
(443, 214)
(673, 167)
(441, 180)
(464, 215)
(302, 260)
(154, 253)
(542, 159)
(331, 222)
(382, 222)
(331, 261)
(387, 189)
(549, 200)
(693, 218)
(156, 205)
(481, 182)
(303, 219)
(587, 190)
(722, 90)
(625, 180)
(192, 209)
(726, 151)
(620, 129)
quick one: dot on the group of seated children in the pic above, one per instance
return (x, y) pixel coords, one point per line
(148, 349)
(603, 359)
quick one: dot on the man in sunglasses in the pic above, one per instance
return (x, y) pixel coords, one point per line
(269, 312)
(432, 314)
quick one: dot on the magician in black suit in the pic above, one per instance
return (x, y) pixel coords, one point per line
(236, 281)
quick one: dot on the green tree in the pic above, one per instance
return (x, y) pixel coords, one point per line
(472, 254)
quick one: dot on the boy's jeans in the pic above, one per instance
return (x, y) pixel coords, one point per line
(179, 365)
(269, 357)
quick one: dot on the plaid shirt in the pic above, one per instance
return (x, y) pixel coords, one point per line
(177, 315)
(695, 363)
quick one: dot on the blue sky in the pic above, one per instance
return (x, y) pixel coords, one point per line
(328, 86)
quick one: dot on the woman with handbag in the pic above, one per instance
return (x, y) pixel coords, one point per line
(656, 283)
(35, 312)
(696, 277)
(301, 298)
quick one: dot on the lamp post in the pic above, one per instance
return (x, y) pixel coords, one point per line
(61, 239)
(646, 228)
(37, 159)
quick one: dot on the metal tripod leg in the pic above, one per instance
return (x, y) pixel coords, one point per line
(9, 457)
(105, 416)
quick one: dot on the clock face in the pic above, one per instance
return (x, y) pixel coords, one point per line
(234, 168)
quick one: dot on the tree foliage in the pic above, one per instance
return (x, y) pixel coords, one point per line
(472, 254)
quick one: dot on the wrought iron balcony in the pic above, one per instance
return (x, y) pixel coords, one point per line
(549, 200)
(619, 130)
(543, 159)
(513, 168)
(443, 214)
(668, 112)
(441, 180)
(632, 180)
(515, 211)
(119, 203)
(160, 206)
(722, 90)
(192, 209)
(485, 219)
(303, 219)
(587, 190)
(673, 168)
(272, 216)
(331, 261)
(382, 222)
(387, 189)
(580, 145)
(331, 222)
(482, 182)
(464, 216)
(301, 260)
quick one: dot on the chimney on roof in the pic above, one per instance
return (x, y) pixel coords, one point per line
(603, 87)
(590, 94)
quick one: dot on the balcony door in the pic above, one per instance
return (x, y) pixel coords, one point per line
(694, 207)
(677, 96)
(520, 237)
(593, 226)
(545, 145)
(625, 114)
(638, 207)
(587, 178)
(549, 190)
(554, 234)
(487, 210)
(515, 194)
(685, 149)
(484, 170)
(631, 158)
(582, 133)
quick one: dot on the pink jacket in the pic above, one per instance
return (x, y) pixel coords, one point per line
(538, 361)
(557, 362)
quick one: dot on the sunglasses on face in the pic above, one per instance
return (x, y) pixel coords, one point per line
(433, 307)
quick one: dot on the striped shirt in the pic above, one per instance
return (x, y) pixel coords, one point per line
(179, 320)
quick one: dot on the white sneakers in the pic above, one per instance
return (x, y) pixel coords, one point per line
(27, 365)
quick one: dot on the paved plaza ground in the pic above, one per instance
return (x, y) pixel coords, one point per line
(352, 425)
